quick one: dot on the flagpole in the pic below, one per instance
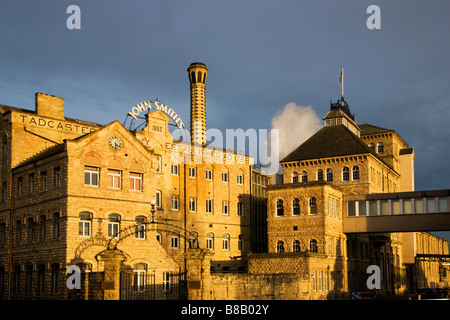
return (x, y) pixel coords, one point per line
(342, 73)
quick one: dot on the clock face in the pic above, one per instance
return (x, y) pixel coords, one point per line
(115, 142)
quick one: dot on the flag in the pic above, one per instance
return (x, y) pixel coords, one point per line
(342, 75)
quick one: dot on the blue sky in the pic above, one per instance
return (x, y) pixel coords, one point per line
(261, 55)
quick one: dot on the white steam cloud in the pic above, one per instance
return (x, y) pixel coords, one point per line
(295, 124)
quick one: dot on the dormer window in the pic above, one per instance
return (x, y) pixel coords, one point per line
(380, 147)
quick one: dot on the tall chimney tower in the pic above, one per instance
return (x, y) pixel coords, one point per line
(197, 77)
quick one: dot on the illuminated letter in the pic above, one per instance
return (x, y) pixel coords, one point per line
(74, 21)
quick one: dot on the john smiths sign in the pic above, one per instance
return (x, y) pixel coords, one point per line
(157, 105)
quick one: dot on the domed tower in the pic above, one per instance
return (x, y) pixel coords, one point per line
(197, 77)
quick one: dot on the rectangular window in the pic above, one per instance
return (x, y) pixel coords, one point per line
(84, 228)
(224, 176)
(333, 207)
(407, 207)
(384, 207)
(209, 175)
(418, 205)
(192, 172)
(442, 204)
(351, 209)
(240, 179)
(431, 205)
(225, 207)
(44, 180)
(395, 206)
(20, 186)
(57, 176)
(31, 178)
(175, 203)
(135, 181)
(166, 281)
(373, 209)
(362, 208)
(241, 243)
(158, 199)
(209, 206)
(240, 209)
(174, 168)
(192, 204)
(4, 191)
(113, 229)
(175, 241)
(114, 179)
(159, 168)
(91, 176)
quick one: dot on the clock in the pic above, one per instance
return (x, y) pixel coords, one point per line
(115, 142)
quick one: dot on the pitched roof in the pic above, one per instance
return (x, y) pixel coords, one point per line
(46, 153)
(371, 129)
(332, 141)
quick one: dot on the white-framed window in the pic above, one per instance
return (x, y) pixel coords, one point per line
(224, 176)
(329, 175)
(210, 241)
(280, 208)
(209, 206)
(140, 228)
(345, 174)
(296, 246)
(280, 246)
(333, 207)
(313, 245)
(91, 176)
(135, 181)
(240, 179)
(304, 176)
(241, 242)
(226, 242)
(192, 172)
(225, 205)
(175, 203)
(159, 167)
(175, 241)
(380, 147)
(158, 199)
(209, 174)
(192, 204)
(240, 209)
(295, 177)
(296, 207)
(314, 281)
(84, 224)
(319, 175)
(114, 179)
(166, 281)
(113, 226)
(174, 169)
(312, 206)
(139, 272)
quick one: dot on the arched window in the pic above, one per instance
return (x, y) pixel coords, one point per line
(41, 278)
(210, 241)
(355, 172)
(313, 245)
(158, 199)
(140, 227)
(280, 208)
(380, 147)
(18, 231)
(329, 175)
(226, 241)
(139, 272)
(312, 206)
(56, 225)
(55, 278)
(345, 174)
(241, 242)
(319, 175)
(295, 177)
(296, 207)
(372, 146)
(304, 176)
(280, 246)
(296, 246)
(113, 225)
(84, 225)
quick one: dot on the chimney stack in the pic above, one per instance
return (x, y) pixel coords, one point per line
(197, 77)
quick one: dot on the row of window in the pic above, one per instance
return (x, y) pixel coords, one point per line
(85, 230)
(92, 178)
(333, 207)
(328, 175)
(209, 208)
(35, 230)
(312, 246)
(174, 169)
(379, 149)
(33, 187)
